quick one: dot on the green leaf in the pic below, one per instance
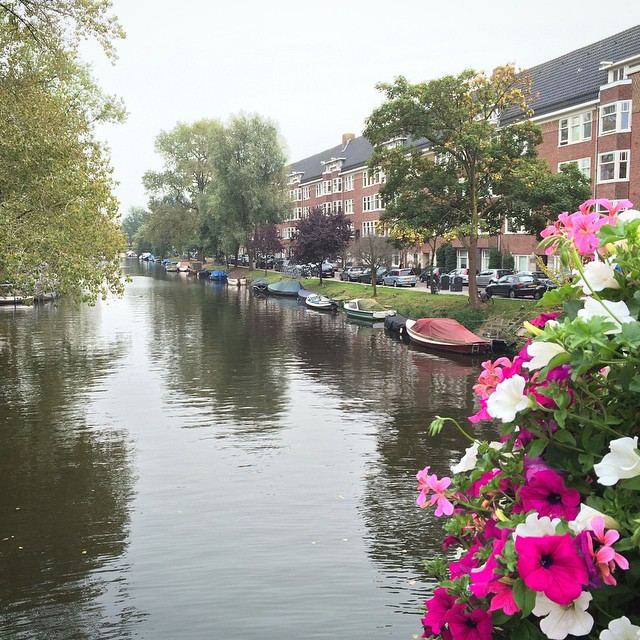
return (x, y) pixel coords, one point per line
(564, 436)
(537, 446)
(524, 597)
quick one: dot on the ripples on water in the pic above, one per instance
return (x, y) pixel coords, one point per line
(193, 462)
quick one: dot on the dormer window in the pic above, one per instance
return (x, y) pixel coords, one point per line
(615, 75)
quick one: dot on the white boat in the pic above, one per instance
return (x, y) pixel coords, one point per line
(236, 280)
(321, 302)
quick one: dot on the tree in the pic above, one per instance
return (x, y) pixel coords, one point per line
(475, 173)
(58, 214)
(250, 187)
(132, 222)
(266, 241)
(321, 236)
(179, 194)
(372, 251)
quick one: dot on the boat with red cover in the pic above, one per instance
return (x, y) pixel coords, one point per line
(445, 334)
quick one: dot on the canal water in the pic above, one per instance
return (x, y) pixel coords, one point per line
(193, 462)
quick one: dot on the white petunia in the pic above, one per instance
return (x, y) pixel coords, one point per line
(535, 527)
(623, 462)
(468, 460)
(628, 214)
(582, 521)
(561, 621)
(615, 312)
(597, 276)
(621, 629)
(541, 354)
(508, 399)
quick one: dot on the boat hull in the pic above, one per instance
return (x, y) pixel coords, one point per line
(321, 303)
(479, 347)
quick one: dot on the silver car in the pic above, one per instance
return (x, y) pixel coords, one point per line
(400, 278)
(488, 276)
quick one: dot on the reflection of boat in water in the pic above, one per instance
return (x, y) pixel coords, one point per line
(366, 309)
(445, 334)
(323, 303)
(236, 279)
(285, 288)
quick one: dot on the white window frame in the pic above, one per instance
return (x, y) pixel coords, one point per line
(369, 228)
(305, 193)
(618, 161)
(484, 259)
(337, 185)
(372, 203)
(319, 190)
(575, 129)
(367, 181)
(618, 113)
(337, 206)
(521, 262)
(297, 213)
(348, 183)
(348, 206)
(584, 165)
(462, 259)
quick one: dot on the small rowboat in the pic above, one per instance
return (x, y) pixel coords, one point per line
(366, 309)
(323, 303)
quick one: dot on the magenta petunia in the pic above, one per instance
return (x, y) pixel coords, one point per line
(552, 565)
(469, 624)
(437, 608)
(546, 493)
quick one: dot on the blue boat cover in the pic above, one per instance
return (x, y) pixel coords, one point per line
(218, 275)
(285, 288)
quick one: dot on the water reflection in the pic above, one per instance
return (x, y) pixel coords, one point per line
(194, 461)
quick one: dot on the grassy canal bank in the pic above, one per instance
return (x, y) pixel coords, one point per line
(502, 314)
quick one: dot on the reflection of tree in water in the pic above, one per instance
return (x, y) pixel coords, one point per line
(66, 487)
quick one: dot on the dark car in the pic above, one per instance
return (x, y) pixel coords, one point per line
(350, 274)
(517, 286)
(365, 276)
(425, 274)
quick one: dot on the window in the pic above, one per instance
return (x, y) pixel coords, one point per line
(337, 206)
(584, 165)
(288, 233)
(511, 226)
(305, 212)
(369, 228)
(484, 259)
(615, 117)
(326, 208)
(348, 205)
(369, 180)
(348, 183)
(305, 193)
(613, 166)
(327, 187)
(297, 213)
(366, 179)
(463, 259)
(520, 263)
(337, 185)
(615, 75)
(371, 203)
(575, 129)
(319, 189)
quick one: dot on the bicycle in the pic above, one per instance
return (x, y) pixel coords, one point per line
(485, 297)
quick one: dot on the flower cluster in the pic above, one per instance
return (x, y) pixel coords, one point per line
(543, 525)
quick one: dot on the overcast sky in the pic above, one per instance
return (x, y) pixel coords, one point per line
(312, 67)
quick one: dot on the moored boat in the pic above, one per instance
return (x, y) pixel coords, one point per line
(259, 285)
(236, 279)
(366, 309)
(445, 334)
(218, 275)
(285, 288)
(321, 302)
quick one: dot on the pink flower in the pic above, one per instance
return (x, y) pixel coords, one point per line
(605, 557)
(469, 624)
(437, 609)
(546, 493)
(553, 566)
(543, 318)
(444, 506)
(423, 487)
(503, 600)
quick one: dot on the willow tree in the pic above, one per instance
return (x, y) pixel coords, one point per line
(474, 173)
(58, 214)
(179, 195)
(250, 186)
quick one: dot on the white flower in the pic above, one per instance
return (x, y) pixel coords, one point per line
(586, 514)
(628, 214)
(468, 460)
(620, 629)
(535, 527)
(623, 462)
(542, 353)
(616, 312)
(508, 399)
(597, 276)
(561, 621)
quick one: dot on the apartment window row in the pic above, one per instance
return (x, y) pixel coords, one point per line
(369, 228)
(370, 179)
(372, 203)
(288, 233)
(614, 118)
(295, 194)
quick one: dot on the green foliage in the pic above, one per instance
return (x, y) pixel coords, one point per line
(508, 261)
(450, 258)
(495, 259)
(58, 215)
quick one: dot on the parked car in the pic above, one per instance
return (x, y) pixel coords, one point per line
(517, 286)
(463, 272)
(350, 274)
(491, 275)
(425, 274)
(365, 276)
(400, 278)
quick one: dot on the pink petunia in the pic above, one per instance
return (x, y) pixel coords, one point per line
(546, 493)
(469, 624)
(605, 557)
(552, 565)
(437, 608)
(423, 486)
(503, 598)
(445, 507)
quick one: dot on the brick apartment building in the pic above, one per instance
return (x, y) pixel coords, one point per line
(585, 105)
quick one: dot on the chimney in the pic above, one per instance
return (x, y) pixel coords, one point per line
(346, 137)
